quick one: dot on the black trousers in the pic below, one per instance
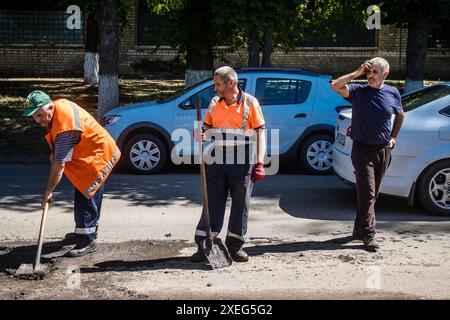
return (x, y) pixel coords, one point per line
(370, 163)
(221, 180)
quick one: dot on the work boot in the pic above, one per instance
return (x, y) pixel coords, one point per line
(83, 247)
(71, 238)
(239, 256)
(370, 243)
(199, 256)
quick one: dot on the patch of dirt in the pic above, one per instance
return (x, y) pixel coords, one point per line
(84, 277)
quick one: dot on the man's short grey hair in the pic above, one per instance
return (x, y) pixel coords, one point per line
(382, 62)
(47, 106)
(226, 73)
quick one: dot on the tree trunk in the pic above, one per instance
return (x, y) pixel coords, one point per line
(198, 41)
(253, 49)
(268, 45)
(192, 77)
(108, 89)
(416, 52)
(91, 50)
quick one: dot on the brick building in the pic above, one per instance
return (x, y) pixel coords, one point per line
(60, 52)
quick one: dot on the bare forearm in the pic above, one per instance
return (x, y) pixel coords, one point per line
(56, 172)
(261, 143)
(340, 82)
(398, 121)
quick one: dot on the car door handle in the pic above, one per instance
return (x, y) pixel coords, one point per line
(300, 115)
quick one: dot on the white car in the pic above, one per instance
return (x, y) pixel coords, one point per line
(420, 167)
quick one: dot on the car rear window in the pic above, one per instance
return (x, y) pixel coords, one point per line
(445, 111)
(281, 91)
(422, 97)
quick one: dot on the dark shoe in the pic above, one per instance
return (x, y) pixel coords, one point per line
(371, 244)
(71, 238)
(83, 247)
(74, 238)
(199, 256)
(239, 256)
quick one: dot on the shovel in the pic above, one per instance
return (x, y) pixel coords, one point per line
(38, 270)
(214, 249)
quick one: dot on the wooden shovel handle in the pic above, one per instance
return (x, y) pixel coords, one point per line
(41, 235)
(203, 172)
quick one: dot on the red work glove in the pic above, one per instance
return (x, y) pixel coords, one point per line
(258, 172)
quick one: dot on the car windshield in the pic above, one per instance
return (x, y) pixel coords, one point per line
(419, 98)
(181, 92)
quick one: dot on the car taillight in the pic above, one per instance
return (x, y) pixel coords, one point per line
(349, 131)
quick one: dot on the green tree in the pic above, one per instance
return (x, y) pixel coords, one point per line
(194, 36)
(108, 89)
(251, 24)
(262, 25)
(418, 16)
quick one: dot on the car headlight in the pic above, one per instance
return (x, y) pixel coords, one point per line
(109, 120)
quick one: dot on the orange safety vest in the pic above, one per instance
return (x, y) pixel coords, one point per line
(94, 156)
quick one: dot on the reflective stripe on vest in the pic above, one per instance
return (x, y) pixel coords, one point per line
(213, 104)
(247, 102)
(76, 115)
(104, 173)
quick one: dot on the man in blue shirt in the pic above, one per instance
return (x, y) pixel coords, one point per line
(373, 139)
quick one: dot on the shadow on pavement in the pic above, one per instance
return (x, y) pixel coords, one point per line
(332, 244)
(184, 263)
(12, 258)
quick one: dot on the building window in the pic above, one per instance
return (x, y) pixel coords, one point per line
(154, 30)
(38, 27)
(439, 37)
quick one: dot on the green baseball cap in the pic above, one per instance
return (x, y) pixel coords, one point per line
(36, 99)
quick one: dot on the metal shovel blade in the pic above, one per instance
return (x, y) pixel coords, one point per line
(27, 271)
(216, 253)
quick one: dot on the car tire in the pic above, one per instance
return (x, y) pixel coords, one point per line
(145, 154)
(316, 154)
(434, 188)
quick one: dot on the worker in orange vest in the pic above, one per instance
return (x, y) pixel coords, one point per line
(232, 118)
(85, 152)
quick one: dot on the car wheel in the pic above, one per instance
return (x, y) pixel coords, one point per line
(434, 188)
(316, 154)
(145, 154)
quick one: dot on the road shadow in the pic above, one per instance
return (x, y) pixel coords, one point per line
(336, 203)
(300, 195)
(180, 263)
(184, 263)
(341, 243)
(12, 257)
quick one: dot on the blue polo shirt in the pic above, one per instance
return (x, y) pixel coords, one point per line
(372, 111)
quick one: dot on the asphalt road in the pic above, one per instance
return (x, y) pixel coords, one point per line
(297, 232)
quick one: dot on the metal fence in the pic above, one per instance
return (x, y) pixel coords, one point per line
(38, 27)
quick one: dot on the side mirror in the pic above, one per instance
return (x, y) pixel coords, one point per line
(187, 104)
